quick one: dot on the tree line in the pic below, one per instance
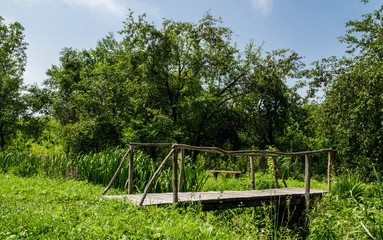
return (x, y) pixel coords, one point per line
(188, 82)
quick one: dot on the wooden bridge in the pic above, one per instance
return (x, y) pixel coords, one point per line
(225, 199)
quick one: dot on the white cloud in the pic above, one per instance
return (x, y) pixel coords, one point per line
(110, 7)
(262, 6)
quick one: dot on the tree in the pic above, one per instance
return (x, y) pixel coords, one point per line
(12, 65)
(351, 116)
(267, 102)
(168, 84)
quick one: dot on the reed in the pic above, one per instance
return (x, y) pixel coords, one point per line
(99, 168)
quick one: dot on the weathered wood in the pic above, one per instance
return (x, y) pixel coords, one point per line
(227, 199)
(130, 182)
(182, 170)
(116, 173)
(152, 144)
(246, 152)
(175, 175)
(215, 173)
(252, 172)
(280, 173)
(275, 172)
(329, 171)
(307, 180)
(154, 176)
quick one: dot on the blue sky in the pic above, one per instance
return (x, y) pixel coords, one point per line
(309, 27)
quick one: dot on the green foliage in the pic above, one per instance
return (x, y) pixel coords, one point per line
(350, 117)
(352, 211)
(99, 168)
(266, 102)
(19, 163)
(180, 82)
(226, 182)
(350, 186)
(44, 208)
(12, 61)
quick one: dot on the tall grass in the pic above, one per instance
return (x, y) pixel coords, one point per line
(99, 168)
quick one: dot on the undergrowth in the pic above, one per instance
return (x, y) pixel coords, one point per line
(99, 168)
(49, 208)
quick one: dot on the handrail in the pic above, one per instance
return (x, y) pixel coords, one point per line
(263, 153)
(177, 186)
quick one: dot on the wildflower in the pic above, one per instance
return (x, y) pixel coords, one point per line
(21, 228)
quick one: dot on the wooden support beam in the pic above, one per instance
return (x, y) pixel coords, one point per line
(153, 177)
(182, 170)
(329, 171)
(116, 173)
(275, 172)
(130, 182)
(175, 175)
(252, 172)
(307, 180)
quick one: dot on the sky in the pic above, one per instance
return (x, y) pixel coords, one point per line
(309, 27)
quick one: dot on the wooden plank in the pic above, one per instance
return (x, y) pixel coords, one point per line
(227, 199)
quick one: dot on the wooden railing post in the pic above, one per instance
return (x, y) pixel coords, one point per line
(307, 180)
(130, 182)
(252, 172)
(175, 175)
(329, 171)
(275, 172)
(182, 170)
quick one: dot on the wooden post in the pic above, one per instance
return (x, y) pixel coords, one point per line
(329, 171)
(130, 182)
(175, 175)
(307, 180)
(215, 174)
(252, 172)
(153, 177)
(275, 172)
(116, 173)
(182, 170)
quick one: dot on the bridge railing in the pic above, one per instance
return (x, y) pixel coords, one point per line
(177, 181)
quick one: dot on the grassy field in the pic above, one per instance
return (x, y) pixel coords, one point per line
(58, 197)
(45, 208)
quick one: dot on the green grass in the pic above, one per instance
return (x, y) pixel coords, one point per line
(46, 208)
(52, 197)
(99, 168)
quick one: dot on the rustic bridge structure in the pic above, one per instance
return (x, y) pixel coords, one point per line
(226, 199)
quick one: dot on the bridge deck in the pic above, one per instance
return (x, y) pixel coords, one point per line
(226, 199)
